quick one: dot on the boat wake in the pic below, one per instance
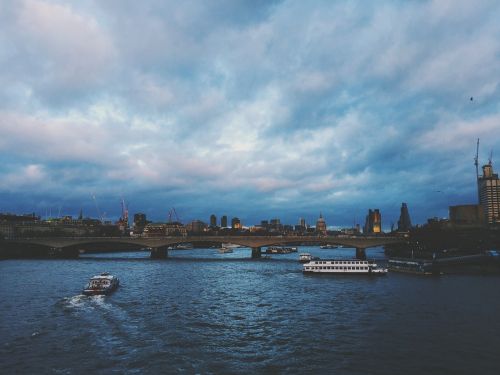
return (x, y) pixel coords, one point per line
(82, 302)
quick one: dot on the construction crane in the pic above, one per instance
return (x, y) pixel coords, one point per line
(172, 213)
(476, 160)
(101, 216)
(124, 212)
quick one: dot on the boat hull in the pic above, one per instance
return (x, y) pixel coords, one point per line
(345, 273)
(99, 292)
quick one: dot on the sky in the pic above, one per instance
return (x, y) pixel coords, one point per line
(254, 109)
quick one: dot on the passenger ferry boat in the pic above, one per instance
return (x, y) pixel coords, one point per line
(344, 267)
(102, 284)
(224, 250)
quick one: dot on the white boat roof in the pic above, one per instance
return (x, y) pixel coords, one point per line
(103, 277)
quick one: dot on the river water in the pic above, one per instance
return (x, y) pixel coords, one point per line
(201, 312)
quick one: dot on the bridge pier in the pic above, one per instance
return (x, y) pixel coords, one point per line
(361, 253)
(256, 252)
(159, 253)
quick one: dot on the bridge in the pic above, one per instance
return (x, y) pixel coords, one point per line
(69, 247)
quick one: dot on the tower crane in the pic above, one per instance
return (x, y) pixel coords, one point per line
(476, 160)
(101, 217)
(172, 213)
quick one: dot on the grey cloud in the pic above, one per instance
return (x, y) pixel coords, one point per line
(290, 105)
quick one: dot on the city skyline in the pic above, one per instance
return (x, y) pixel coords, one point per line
(253, 110)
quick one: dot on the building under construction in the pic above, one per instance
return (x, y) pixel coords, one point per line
(488, 187)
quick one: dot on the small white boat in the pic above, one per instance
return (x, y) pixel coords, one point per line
(224, 250)
(344, 267)
(280, 250)
(102, 284)
(306, 257)
(328, 246)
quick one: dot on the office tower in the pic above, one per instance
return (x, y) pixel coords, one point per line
(223, 221)
(139, 222)
(404, 222)
(213, 220)
(373, 223)
(489, 194)
(235, 223)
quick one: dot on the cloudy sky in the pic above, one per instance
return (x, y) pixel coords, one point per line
(255, 109)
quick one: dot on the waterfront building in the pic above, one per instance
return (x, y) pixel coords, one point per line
(467, 215)
(373, 223)
(235, 223)
(275, 225)
(404, 222)
(154, 230)
(139, 222)
(223, 221)
(196, 227)
(213, 220)
(31, 226)
(175, 228)
(321, 225)
(257, 229)
(489, 194)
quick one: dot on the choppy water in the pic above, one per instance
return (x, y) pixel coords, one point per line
(207, 313)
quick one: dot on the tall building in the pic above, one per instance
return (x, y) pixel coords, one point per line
(302, 222)
(223, 221)
(404, 222)
(321, 224)
(235, 223)
(373, 223)
(489, 194)
(213, 220)
(139, 222)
